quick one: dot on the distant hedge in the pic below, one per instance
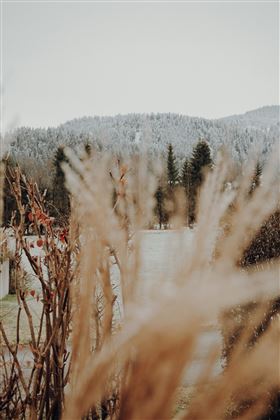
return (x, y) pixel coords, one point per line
(266, 244)
(264, 247)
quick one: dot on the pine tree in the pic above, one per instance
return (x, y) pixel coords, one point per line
(172, 183)
(88, 149)
(186, 174)
(61, 199)
(200, 161)
(186, 180)
(9, 201)
(159, 209)
(256, 178)
(172, 168)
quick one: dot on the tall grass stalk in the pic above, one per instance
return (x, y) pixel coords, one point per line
(129, 353)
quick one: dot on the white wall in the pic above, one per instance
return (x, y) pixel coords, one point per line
(4, 279)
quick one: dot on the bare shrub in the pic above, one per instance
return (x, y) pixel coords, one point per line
(37, 389)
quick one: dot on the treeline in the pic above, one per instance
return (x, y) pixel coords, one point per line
(178, 184)
(154, 131)
(55, 193)
(51, 182)
(188, 179)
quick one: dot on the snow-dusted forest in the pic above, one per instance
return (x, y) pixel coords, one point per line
(257, 130)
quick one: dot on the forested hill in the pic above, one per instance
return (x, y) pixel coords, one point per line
(261, 118)
(258, 128)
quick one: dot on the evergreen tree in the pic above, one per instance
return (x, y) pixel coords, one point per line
(159, 196)
(172, 168)
(172, 183)
(186, 176)
(256, 178)
(61, 199)
(186, 180)
(88, 149)
(200, 161)
(9, 201)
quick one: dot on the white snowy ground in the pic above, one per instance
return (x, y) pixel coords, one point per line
(161, 253)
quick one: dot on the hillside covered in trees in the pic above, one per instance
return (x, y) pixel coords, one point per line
(257, 129)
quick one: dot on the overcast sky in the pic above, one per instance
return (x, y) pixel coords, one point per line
(67, 60)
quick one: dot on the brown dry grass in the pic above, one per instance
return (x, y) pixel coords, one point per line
(133, 367)
(148, 356)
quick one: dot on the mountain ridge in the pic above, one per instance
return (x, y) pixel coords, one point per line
(260, 117)
(258, 129)
(261, 112)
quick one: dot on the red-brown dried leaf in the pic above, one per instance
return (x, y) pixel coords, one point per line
(62, 237)
(40, 242)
